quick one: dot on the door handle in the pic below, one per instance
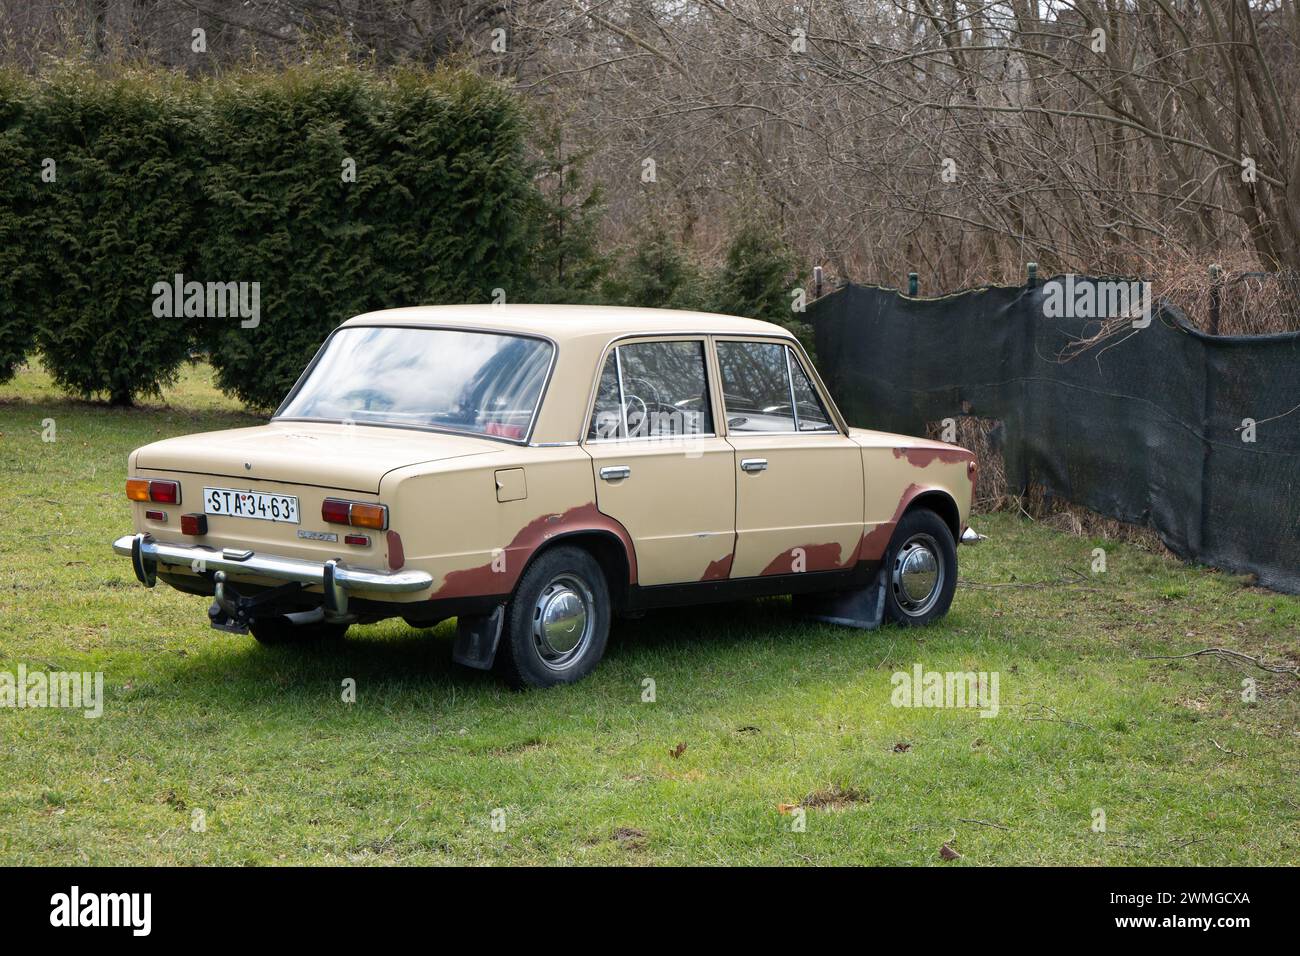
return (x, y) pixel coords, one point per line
(753, 464)
(614, 472)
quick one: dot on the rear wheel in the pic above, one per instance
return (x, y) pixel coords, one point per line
(281, 630)
(557, 623)
(920, 569)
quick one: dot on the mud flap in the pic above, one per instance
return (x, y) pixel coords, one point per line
(477, 636)
(863, 608)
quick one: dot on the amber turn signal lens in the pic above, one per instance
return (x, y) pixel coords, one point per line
(369, 516)
(137, 489)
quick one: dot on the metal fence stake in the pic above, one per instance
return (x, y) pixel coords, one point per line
(1216, 297)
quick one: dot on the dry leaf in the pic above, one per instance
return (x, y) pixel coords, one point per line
(948, 853)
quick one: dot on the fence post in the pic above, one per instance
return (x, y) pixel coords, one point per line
(912, 283)
(1216, 297)
(817, 282)
(1033, 274)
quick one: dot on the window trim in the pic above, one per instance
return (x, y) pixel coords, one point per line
(638, 338)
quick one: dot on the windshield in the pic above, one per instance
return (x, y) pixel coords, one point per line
(478, 382)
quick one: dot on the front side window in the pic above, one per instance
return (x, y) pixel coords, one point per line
(812, 415)
(653, 390)
(476, 382)
(765, 389)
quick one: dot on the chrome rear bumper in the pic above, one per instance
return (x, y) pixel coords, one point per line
(335, 578)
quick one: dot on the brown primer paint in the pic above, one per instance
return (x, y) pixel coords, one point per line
(471, 582)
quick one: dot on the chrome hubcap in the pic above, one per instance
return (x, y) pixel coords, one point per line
(562, 621)
(917, 574)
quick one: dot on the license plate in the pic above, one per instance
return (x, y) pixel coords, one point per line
(250, 504)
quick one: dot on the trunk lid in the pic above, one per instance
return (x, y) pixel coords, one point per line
(319, 454)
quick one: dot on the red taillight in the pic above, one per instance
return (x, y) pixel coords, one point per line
(164, 492)
(153, 489)
(336, 511)
(360, 514)
(360, 539)
(194, 524)
(156, 516)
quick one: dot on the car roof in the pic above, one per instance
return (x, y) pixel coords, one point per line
(562, 322)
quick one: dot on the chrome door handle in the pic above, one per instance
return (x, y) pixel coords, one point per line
(614, 472)
(753, 464)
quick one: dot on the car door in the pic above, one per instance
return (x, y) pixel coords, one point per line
(799, 480)
(661, 468)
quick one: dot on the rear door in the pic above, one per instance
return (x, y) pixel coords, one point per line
(661, 468)
(799, 481)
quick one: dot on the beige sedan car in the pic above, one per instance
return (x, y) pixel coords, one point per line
(536, 472)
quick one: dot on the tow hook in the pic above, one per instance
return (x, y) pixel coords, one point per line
(232, 611)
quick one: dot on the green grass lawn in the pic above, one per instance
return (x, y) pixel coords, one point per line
(772, 710)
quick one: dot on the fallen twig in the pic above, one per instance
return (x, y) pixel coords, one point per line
(1223, 749)
(1235, 657)
(983, 823)
(1055, 716)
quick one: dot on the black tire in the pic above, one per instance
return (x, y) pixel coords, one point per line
(276, 631)
(919, 533)
(548, 590)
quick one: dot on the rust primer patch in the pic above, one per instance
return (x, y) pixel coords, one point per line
(816, 557)
(499, 575)
(720, 569)
(874, 542)
(924, 456)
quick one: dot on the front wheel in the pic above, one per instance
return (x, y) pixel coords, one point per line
(920, 569)
(557, 623)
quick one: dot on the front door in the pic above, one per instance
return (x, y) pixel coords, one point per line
(661, 469)
(799, 481)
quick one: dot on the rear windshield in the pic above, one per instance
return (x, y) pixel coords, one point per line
(478, 382)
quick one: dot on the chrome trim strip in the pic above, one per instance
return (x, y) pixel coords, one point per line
(622, 397)
(272, 566)
(789, 381)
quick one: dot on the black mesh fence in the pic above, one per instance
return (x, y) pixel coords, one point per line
(1195, 435)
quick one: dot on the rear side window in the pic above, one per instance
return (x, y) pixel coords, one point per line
(765, 389)
(653, 390)
(756, 387)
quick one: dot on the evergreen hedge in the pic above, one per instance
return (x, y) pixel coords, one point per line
(19, 226)
(241, 179)
(122, 214)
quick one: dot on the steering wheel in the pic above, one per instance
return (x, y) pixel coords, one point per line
(630, 403)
